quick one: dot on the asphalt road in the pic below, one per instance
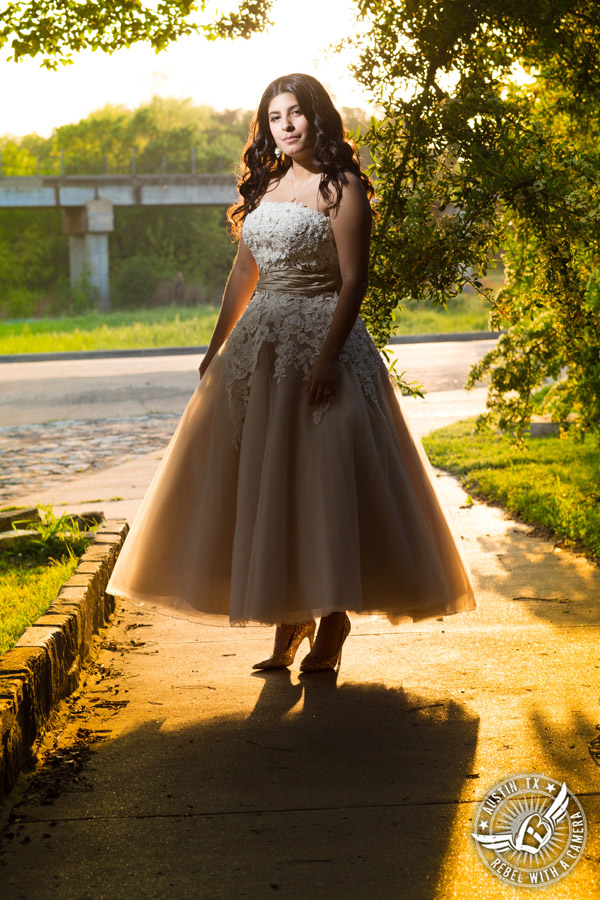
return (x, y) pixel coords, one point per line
(37, 392)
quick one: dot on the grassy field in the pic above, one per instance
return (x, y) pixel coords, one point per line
(164, 326)
(466, 313)
(169, 326)
(552, 483)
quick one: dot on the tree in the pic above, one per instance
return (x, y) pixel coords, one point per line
(58, 28)
(469, 161)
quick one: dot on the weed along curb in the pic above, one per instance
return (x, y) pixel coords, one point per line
(44, 665)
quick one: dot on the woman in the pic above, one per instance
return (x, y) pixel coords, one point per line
(292, 488)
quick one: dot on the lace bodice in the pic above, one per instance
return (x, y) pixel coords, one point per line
(291, 236)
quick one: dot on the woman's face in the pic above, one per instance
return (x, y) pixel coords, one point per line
(291, 130)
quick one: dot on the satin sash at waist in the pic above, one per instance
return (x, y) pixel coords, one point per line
(295, 281)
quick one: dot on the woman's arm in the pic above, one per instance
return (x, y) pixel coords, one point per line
(351, 225)
(238, 291)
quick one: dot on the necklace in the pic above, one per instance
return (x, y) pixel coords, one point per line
(309, 181)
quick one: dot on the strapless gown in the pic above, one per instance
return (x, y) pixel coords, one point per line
(267, 509)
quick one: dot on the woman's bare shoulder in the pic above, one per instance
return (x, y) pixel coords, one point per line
(354, 197)
(353, 180)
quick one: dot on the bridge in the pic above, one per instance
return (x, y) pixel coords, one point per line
(88, 201)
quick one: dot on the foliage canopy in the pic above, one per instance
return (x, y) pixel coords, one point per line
(471, 162)
(58, 28)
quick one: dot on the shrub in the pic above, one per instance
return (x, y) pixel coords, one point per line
(134, 285)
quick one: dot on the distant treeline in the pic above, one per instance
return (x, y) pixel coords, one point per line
(150, 245)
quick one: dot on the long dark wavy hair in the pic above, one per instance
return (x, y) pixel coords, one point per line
(332, 152)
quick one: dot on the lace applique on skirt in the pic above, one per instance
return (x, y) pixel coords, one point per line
(296, 327)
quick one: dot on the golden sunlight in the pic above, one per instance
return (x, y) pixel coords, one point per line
(223, 74)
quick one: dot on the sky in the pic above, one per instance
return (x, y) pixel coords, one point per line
(223, 74)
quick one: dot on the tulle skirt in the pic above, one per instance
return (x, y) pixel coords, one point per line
(301, 520)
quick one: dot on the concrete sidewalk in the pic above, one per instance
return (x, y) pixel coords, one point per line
(178, 772)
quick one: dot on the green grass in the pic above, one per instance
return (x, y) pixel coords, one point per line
(27, 588)
(553, 482)
(466, 313)
(163, 326)
(30, 578)
(170, 326)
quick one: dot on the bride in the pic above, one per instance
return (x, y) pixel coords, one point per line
(292, 488)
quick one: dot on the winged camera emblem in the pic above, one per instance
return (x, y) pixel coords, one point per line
(533, 833)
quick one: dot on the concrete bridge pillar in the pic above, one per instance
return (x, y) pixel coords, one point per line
(88, 228)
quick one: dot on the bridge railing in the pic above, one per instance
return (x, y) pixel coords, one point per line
(64, 164)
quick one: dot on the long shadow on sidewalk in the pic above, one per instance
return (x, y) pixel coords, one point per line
(323, 791)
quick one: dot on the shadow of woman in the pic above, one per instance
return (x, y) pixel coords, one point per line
(370, 773)
(325, 790)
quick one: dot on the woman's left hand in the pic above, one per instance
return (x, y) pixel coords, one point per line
(322, 379)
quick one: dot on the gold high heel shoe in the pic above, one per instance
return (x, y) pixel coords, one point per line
(319, 665)
(282, 660)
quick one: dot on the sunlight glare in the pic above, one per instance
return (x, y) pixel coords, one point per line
(223, 74)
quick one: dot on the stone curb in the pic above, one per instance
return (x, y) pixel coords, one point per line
(68, 355)
(44, 665)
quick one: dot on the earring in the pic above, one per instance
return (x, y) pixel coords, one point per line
(277, 152)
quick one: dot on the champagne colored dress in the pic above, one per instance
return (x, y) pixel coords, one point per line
(267, 509)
